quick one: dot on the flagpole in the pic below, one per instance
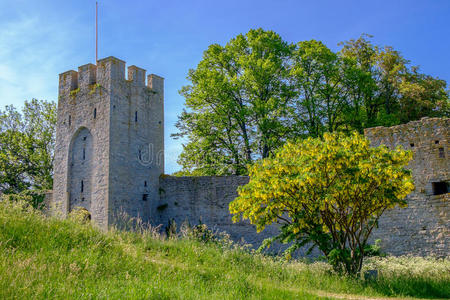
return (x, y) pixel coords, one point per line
(96, 32)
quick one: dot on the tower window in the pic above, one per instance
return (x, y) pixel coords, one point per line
(135, 116)
(412, 145)
(70, 120)
(441, 153)
(145, 183)
(140, 155)
(82, 186)
(84, 153)
(144, 197)
(95, 113)
(440, 188)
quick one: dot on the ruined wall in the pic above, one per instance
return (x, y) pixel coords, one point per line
(423, 228)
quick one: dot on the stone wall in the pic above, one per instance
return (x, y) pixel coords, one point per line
(423, 228)
(80, 95)
(205, 200)
(420, 229)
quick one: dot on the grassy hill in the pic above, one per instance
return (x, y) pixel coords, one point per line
(42, 258)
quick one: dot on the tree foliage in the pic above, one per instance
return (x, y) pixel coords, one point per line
(237, 104)
(27, 140)
(328, 192)
(247, 98)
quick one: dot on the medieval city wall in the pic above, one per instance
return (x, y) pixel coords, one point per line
(205, 200)
(109, 156)
(422, 228)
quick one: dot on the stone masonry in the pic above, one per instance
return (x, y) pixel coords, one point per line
(423, 228)
(109, 159)
(109, 141)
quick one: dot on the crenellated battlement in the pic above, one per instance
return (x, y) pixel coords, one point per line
(87, 75)
(107, 71)
(136, 75)
(68, 81)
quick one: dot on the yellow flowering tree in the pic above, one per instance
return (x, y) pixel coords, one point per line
(327, 192)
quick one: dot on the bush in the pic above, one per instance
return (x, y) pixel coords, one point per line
(327, 193)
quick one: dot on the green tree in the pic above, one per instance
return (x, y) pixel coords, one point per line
(329, 192)
(237, 104)
(386, 90)
(320, 81)
(247, 98)
(27, 141)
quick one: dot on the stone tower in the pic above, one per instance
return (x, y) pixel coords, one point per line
(109, 141)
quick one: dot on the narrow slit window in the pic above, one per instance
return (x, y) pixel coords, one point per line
(140, 155)
(436, 142)
(84, 153)
(144, 197)
(82, 185)
(135, 116)
(95, 113)
(441, 153)
(145, 183)
(70, 120)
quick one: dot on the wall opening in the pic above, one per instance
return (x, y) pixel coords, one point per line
(436, 142)
(440, 188)
(70, 120)
(145, 183)
(95, 113)
(135, 116)
(80, 164)
(412, 145)
(144, 197)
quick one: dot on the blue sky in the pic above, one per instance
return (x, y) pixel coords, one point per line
(40, 39)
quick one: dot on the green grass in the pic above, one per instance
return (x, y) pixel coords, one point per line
(44, 258)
